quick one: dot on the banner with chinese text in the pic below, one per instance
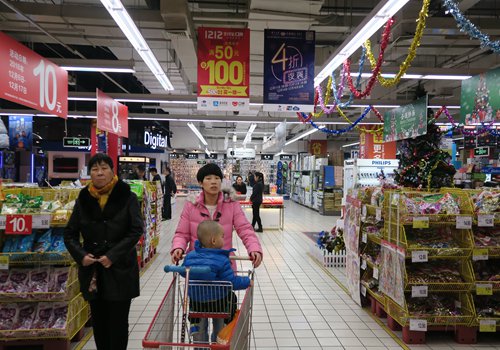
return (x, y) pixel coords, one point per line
(223, 69)
(112, 116)
(372, 145)
(31, 80)
(289, 70)
(406, 121)
(318, 148)
(480, 98)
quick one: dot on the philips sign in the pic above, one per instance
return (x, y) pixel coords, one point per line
(155, 140)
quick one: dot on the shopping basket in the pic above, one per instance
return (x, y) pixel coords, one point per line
(169, 328)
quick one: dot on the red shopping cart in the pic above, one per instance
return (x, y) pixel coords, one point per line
(169, 328)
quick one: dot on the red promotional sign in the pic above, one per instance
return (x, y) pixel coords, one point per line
(31, 80)
(114, 148)
(223, 69)
(112, 116)
(372, 146)
(18, 224)
(318, 147)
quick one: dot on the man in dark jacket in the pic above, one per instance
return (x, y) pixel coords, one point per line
(107, 216)
(155, 175)
(170, 189)
(256, 199)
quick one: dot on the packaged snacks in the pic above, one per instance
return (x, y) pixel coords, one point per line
(59, 279)
(486, 202)
(432, 204)
(27, 312)
(5, 284)
(60, 315)
(434, 272)
(43, 243)
(19, 280)
(8, 316)
(39, 280)
(44, 316)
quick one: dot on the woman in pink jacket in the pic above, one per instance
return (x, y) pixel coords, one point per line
(213, 204)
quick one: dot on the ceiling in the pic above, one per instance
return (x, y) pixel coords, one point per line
(70, 31)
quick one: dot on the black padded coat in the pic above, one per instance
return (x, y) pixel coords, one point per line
(113, 232)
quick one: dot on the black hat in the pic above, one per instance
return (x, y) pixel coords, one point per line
(208, 169)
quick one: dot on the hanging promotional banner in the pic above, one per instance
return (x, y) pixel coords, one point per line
(31, 80)
(372, 145)
(406, 121)
(480, 98)
(20, 132)
(112, 116)
(318, 147)
(289, 70)
(114, 149)
(223, 69)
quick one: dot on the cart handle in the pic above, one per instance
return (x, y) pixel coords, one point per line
(182, 269)
(231, 257)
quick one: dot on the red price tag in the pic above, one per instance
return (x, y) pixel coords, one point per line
(18, 225)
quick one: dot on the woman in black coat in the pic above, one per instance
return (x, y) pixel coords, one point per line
(256, 199)
(108, 217)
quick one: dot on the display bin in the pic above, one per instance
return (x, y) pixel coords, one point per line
(71, 290)
(396, 210)
(402, 315)
(36, 258)
(407, 239)
(77, 315)
(466, 272)
(473, 200)
(379, 297)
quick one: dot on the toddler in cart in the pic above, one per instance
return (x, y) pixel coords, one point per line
(212, 293)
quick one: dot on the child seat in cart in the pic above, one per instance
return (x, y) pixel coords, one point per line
(190, 303)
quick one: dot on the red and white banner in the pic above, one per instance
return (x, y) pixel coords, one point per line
(31, 80)
(372, 146)
(112, 116)
(223, 69)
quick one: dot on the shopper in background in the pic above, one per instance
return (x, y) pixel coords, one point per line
(170, 189)
(154, 174)
(107, 216)
(140, 173)
(239, 186)
(250, 179)
(213, 204)
(256, 199)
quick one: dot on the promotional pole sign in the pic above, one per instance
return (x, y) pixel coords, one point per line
(406, 121)
(480, 98)
(289, 70)
(372, 146)
(31, 80)
(223, 69)
(112, 116)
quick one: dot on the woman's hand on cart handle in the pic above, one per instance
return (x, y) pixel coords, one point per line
(256, 257)
(182, 269)
(177, 255)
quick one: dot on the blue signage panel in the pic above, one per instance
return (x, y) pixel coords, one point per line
(289, 70)
(20, 132)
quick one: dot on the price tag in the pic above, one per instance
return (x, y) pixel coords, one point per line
(485, 220)
(2, 222)
(363, 291)
(420, 256)
(418, 325)
(484, 289)
(41, 221)
(487, 326)
(375, 273)
(480, 254)
(363, 212)
(4, 262)
(18, 225)
(419, 291)
(421, 222)
(363, 264)
(378, 214)
(364, 238)
(464, 222)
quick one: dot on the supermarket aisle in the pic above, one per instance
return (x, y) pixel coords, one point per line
(297, 305)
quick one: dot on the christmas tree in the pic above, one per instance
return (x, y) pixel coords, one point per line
(422, 163)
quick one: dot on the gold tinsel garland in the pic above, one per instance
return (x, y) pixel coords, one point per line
(412, 51)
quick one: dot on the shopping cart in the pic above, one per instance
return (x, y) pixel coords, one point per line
(169, 328)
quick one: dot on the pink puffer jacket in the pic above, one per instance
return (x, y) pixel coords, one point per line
(229, 215)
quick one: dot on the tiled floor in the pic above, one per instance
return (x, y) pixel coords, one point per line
(297, 304)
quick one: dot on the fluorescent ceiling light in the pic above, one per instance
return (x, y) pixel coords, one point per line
(98, 69)
(128, 27)
(446, 77)
(235, 138)
(279, 154)
(362, 34)
(207, 152)
(304, 134)
(351, 144)
(248, 136)
(197, 133)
